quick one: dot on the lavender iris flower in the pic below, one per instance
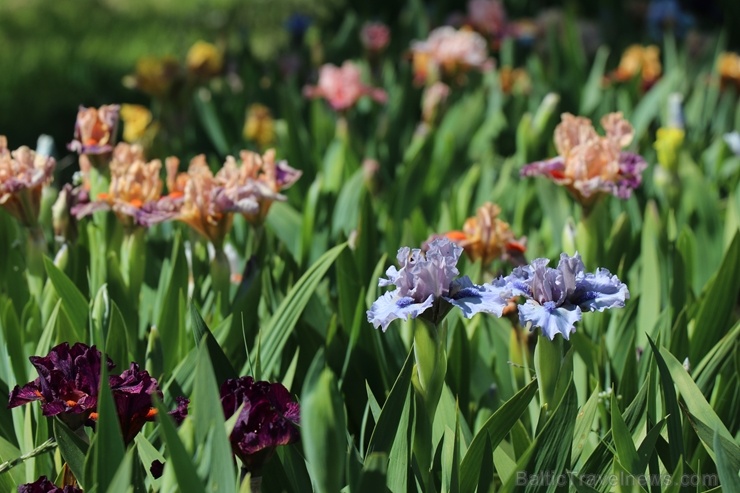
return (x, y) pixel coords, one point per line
(557, 297)
(428, 280)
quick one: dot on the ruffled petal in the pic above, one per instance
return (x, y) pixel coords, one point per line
(23, 395)
(550, 318)
(472, 298)
(390, 307)
(599, 291)
(553, 168)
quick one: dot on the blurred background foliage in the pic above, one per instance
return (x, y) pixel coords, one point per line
(55, 55)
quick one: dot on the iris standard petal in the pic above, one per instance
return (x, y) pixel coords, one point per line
(599, 291)
(550, 318)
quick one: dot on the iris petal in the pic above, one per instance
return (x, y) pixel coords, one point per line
(550, 318)
(600, 291)
(472, 298)
(390, 307)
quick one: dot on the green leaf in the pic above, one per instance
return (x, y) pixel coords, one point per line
(285, 222)
(384, 431)
(121, 482)
(550, 451)
(373, 476)
(73, 449)
(172, 285)
(716, 309)
(323, 434)
(209, 119)
(626, 451)
(451, 460)
(675, 437)
(147, 454)
(650, 275)
(728, 472)
(281, 325)
(584, 423)
(208, 419)
(74, 303)
(695, 402)
(491, 433)
(107, 450)
(222, 368)
(116, 345)
(179, 459)
(592, 90)
(647, 447)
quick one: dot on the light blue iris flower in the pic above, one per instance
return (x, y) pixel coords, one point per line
(429, 280)
(555, 298)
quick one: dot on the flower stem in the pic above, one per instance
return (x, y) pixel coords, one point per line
(430, 353)
(255, 482)
(548, 357)
(36, 250)
(133, 266)
(221, 277)
(47, 446)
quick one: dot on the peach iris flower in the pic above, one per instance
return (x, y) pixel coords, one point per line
(133, 183)
(485, 237)
(95, 129)
(589, 164)
(207, 201)
(640, 60)
(728, 66)
(23, 174)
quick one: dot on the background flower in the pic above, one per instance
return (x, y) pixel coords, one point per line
(133, 183)
(23, 175)
(342, 87)
(589, 164)
(95, 130)
(485, 237)
(449, 52)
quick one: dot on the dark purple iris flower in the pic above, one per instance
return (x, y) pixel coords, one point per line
(132, 393)
(43, 485)
(68, 383)
(268, 419)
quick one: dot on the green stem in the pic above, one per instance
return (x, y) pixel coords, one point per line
(36, 272)
(133, 261)
(47, 446)
(430, 353)
(548, 357)
(221, 278)
(590, 233)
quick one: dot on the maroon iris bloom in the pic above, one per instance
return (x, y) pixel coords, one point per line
(68, 383)
(268, 419)
(43, 485)
(132, 392)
